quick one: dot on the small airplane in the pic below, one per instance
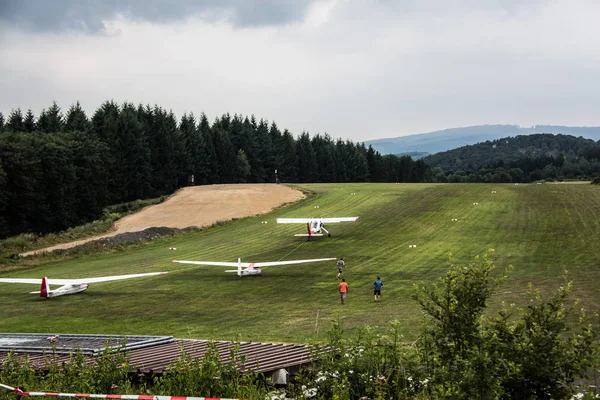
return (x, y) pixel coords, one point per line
(70, 286)
(314, 226)
(247, 269)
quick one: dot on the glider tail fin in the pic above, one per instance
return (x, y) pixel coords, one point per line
(308, 229)
(45, 289)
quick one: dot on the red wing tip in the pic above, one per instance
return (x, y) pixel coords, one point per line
(175, 260)
(162, 273)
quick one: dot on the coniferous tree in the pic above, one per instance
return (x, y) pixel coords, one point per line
(4, 229)
(195, 148)
(29, 124)
(360, 162)
(419, 171)
(104, 126)
(42, 120)
(237, 134)
(288, 170)
(226, 154)
(266, 153)
(76, 119)
(91, 159)
(55, 211)
(21, 164)
(14, 122)
(166, 148)
(374, 164)
(187, 127)
(1, 121)
(135, 170)
(340, 157)
(212, 162)
(242, 167)
(51, 121)
(277, 146)
(104, 122)
(324, 151)
(251, 148)
(307, 160)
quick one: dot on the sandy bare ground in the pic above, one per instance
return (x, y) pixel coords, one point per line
(200, 206)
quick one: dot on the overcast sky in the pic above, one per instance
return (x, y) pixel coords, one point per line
(356, 69)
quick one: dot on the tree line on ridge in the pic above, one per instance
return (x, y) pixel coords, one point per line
(60, 170)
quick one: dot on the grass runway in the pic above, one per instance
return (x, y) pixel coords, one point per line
(541, 230)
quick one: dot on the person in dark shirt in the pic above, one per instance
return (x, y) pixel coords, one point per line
(377, 285)
(340, 264)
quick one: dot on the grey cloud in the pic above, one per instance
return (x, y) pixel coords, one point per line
(88, 15)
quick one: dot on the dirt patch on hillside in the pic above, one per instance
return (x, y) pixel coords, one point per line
(199, 206)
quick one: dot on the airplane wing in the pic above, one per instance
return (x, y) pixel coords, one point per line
(274, 263)
(103, 278)
(308, 220)
(78, 280)
(246, 264)
(21, 280)
(342, 219)
(215, 263)
(293, 220)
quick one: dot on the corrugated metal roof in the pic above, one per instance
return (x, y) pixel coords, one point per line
(259, 357)
(68, 343)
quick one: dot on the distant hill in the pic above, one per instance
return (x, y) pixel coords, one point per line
(520, 151)
(447, 139)
(415, 155)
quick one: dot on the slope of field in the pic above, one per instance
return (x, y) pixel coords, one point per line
(199, 206)
(540, 229)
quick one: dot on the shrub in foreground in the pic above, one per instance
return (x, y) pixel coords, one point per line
(535, 352)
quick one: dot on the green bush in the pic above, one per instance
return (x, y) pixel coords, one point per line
(209, 377)
(535, 352)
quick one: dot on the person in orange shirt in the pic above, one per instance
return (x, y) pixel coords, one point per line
(343, 290)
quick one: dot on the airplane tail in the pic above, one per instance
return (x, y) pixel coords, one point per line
(45, 289)
(308, 229)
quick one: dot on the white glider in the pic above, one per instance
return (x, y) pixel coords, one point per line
(70, 286)
(246, 269)
(314, 226)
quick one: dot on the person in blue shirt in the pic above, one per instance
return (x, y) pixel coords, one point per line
(377, 285)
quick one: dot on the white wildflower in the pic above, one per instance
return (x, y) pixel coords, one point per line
(309, 393)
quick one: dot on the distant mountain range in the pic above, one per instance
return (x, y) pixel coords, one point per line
(448, 139)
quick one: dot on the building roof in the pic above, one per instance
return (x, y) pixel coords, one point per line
(154, 354)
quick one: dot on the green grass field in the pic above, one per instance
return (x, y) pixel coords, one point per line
(541, 230)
